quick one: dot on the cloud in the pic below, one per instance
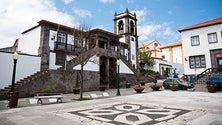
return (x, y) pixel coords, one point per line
(67, 1)
(130, 1)
(19, 15)
(140, 14)
(170, 12)
(107, 1)
(82, 13)
(161, 32)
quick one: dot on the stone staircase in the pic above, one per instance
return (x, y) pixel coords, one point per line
(201, 79)
(4, 93)
(82, 57)
(129, 65)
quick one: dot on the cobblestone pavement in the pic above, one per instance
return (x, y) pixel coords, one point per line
(125, 113)
(164, 107)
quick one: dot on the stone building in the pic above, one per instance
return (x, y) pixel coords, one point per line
(61, 52)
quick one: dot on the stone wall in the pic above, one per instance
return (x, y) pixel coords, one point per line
(59, 80)
(128, 78)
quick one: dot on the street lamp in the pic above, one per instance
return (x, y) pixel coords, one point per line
(118, 63)
(15, 58)
(14, 95)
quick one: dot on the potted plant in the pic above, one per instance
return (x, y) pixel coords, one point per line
(102, 87)
(155, 86)
(76, 90)
(211, 88)
(128, 85)
(138, 88)
(142, 82)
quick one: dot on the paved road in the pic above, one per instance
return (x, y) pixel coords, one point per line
(163, 107)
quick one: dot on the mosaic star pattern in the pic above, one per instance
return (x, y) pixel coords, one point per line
(127, 114)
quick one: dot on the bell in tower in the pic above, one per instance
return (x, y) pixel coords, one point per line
(125, 24)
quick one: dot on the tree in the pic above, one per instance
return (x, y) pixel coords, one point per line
(145, 59)
(82, 44)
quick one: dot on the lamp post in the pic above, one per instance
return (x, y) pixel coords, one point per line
(118, 91)
(13, 95)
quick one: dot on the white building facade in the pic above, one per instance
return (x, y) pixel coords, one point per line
(202, 45)
(167, 57)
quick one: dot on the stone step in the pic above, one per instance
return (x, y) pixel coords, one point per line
(3, 91)
(8, 87)
(2, 97)
(200, 87)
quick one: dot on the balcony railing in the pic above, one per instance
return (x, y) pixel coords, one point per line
(63, 46)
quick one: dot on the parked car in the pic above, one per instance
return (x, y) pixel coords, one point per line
(177, 83)
(216, 79)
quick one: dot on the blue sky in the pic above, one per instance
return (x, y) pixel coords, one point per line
(157, 19)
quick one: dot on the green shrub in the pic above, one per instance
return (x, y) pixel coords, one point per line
(46, 90)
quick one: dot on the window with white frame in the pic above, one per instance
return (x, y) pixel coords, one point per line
(197, 61)
(195, 41)
(61, 38)
(212, 37)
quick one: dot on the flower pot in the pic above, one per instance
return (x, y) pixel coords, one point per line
(155, 86)
(142, 83)
(13, 101)
(128, 85)
(102, 88)
(76, 90)
(139, 90)
(212, 88)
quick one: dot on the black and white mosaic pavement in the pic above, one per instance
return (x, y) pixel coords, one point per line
(124, 113)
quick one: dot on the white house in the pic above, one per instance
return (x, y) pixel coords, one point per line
(202, 45)
(167, 57)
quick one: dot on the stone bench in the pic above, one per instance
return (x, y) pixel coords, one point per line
(93, 95)
(48, 95)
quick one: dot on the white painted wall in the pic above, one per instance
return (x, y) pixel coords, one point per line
(30, 42)
(204, 47)
(52, 38)
(90, 66)
(70, 39)
(122, 39)
(177, 55)
(52, 60)
(158, 54)
(166, 53)
(133, 51)
(26, 65)
(124, 69)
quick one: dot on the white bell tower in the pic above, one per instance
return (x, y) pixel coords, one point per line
(125, 24)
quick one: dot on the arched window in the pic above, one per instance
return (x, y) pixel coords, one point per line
(120, 25)
(131, 27)
(155, 44)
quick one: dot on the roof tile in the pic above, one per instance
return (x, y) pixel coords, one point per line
(203, 24)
